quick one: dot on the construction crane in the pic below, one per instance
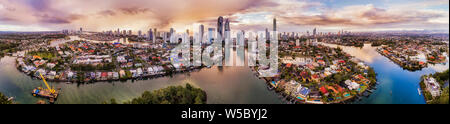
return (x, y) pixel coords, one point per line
(52, 91)
(49, 93)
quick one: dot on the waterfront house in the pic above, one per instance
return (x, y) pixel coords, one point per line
(87, 77)
(177, 66)
(92, 77)
(28, 68)
(139, 72)
(104, 76)
(156, 69)
(122, 73)
(432, 86)
(133, 73)
(324, 91)
(110, 75)
(362, 65)
(51, 75)
(60, 76)
(98, 76)
(160, 69)
(352, 85)
(150, 70)
(303, 91)
(115, 75)
(145, 72)
(315, 95)
(70, 75)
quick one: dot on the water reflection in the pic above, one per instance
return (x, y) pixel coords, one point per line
(367, 53)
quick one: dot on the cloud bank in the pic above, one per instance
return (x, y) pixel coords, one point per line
(293, 15)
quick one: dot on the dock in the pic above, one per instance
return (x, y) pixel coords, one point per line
(45, 93)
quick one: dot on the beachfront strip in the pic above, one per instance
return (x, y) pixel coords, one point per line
(83, 61)
(414, 56)
(310, 73)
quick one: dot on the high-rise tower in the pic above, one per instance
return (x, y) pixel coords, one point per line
(274, 24)
(220, 26)
(201, 32)
(150, 34)
(314, 32)
(227, 25)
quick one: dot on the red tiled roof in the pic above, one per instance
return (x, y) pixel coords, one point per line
(104, 74)
(340, 89)
(323, 90)
(361, 77)
(288, 65)
(315, 76)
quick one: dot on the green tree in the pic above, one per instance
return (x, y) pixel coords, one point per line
(4, 99)
(172, 95)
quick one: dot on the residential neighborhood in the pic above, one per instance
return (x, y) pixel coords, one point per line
(83, 61)
(415, 55)
(311, 73)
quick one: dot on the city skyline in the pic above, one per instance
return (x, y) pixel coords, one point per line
(257, 15)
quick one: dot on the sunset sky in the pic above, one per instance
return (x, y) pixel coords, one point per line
(292, 15)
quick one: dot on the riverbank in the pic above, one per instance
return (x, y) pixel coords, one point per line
(6, 100)
(290, 99)
(317, 74)
(402, 62)
(171, 95)
(92, 77)
(83, 61)
(226, 85)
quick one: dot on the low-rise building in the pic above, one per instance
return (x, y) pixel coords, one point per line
(432, 86)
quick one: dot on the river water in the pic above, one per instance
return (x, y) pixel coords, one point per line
(227, 85)
(396, 86)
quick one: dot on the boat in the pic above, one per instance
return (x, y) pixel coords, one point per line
(10, 99)
(418, 90)
(49, 94)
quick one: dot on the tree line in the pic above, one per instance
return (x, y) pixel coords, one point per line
(4, 99)
(171, 95)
